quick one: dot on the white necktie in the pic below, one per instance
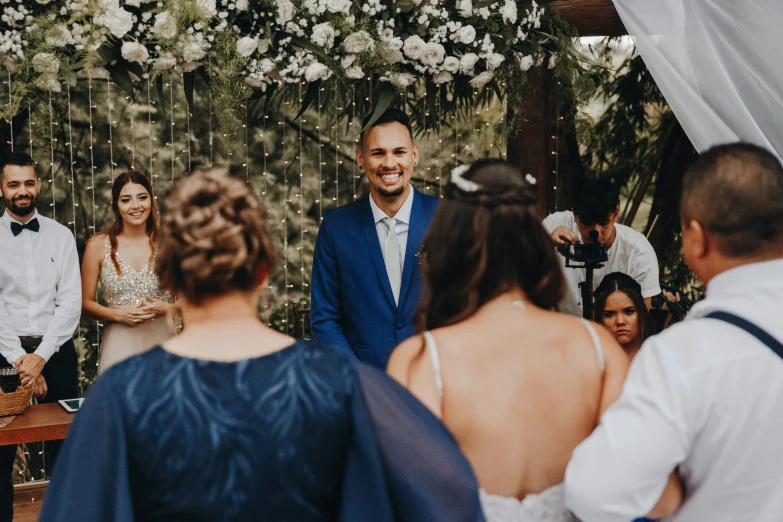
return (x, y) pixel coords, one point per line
(391, 256)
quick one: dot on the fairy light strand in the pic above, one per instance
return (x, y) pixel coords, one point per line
(111, 146)
(320, 163)
(72, 162)
(172, 124)
(51, 159)
(10, 101)
(149, 122)
(301, 200)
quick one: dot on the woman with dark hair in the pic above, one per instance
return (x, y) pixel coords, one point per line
(232, 421)
(520, 386)
(121, 259)
(620, 307)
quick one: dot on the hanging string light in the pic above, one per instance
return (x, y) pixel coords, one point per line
(285, 216)
(30, 124)
(351, 132)
(92, 228)
(10, 119)
(149, 122)
(51, 158)
(187, 138)
(301, 200)
(111, 147)
(320, 162)
(132, 146)
(438, 162)
(71, 163)
(211, 137)
(247, 153)
(337, 161)
(170, 85)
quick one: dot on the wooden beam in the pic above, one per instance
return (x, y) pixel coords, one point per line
(591, 17)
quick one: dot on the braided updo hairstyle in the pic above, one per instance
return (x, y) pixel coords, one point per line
(483, 243)
(213, 236)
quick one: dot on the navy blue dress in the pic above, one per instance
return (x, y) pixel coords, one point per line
(303, 434)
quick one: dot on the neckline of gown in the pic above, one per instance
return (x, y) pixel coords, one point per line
(286, 348)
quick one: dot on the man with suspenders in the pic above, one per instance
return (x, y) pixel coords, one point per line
(698, 430)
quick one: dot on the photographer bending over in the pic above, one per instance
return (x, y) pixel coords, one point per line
(596, 207)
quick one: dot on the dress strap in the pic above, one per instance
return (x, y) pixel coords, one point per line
(596, 342)
(432, 350)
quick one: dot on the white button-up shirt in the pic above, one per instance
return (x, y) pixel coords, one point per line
(40, 287)
(704, 395)
(401, 226)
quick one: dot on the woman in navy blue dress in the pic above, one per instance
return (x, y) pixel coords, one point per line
(231, 421)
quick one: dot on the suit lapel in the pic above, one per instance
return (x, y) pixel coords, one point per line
(374, 249)
(416, 231)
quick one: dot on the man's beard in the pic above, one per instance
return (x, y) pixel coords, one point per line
(391, 194)
(12, 207)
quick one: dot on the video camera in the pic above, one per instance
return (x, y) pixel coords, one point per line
(591, 256)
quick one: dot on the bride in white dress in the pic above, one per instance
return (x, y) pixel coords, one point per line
(519, 386)
(121, 259)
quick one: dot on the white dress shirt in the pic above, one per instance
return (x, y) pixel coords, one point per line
(403, 221)
(630, 254)
(40, 287)
(704, 395)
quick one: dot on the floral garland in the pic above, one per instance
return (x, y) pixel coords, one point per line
(269, 43)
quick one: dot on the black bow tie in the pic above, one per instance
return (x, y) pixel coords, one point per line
(32, 226)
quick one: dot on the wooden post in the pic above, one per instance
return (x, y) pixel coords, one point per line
(591, 17)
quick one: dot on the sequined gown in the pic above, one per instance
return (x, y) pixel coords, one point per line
(128, 287)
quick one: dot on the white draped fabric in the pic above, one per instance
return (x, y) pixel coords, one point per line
(719, 63)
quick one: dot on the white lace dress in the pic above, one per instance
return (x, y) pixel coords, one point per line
(547, 506)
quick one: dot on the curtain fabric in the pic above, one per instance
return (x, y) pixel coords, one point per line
(719, 63)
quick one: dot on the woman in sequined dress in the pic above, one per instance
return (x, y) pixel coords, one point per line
(121, 259)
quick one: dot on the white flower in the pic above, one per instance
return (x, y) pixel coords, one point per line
(246, 46)
(396, 43)
(355, 72)
(134, 52)
(48, 83)
(467, 34)
(118, 21)
(358, 42)
(9, 63)
(206, 8)
(338, 6)
(189, 66)
(442, 77)
(266, 65)
(387, 34)
(451, 64)
(482, 79)
(348, 60)
(59, 36)
(465, 8)
(509, 12)
(242, 5)
(433, 54)
(133, 3)
(165, 25)
(391, 54)
(97, 73)
(462, 183)
(43, 2)
(530, 179)
(193, 52)
(164, 62)
(255, 82)
(317, 71)
(467, 63)
(401, 80)
(494, 60)
(525, 62)
(552, 61)
(285, 11)
(46, 63)
(414, 47)
(323, 35)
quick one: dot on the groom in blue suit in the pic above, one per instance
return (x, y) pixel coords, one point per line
(366, 280)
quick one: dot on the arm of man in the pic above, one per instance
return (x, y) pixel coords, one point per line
(557, 228)
(67, 310)
(624, 469)
(326, 321)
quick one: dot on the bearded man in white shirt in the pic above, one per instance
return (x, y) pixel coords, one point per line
(702, 401)
(596, 208)
(40, 302)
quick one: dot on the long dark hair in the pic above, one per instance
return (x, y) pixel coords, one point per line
(620, 282)
(483, 243)
(131, 176)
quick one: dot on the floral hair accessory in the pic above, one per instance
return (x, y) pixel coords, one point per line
(462, 183)
(530, 179)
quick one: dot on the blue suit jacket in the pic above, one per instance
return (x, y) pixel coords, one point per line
(352, 301)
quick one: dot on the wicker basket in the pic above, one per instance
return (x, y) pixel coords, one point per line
(16, 402)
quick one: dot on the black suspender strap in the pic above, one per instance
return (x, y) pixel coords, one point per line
(774, 345)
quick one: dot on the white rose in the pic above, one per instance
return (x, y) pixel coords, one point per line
(206, 8)
(525, 62)
(134, 52)
(43, 2)
(552, 61)
(118, 21)
(133, 3)
(285, 11)
(48, 83)
(254, 82)
(465, 8)
(338, 6)
(59, 36)
(509, 12)
(317, 71)
(442, 77)
(433, 54)
(467, 63)
(266, 65)
(355, 72)
(9, 63)
(390, 54)
(414, 47)
(165, 25)
(387, 35)
(246, 46)
(242, 5)
(482, 79)
(189, 66)
(467, 34)
(323, 35)
(396, 43)
(402, 80)
(97, 73)
(46, 63)
(494, 60)
(358, 42)
(164, 62)
(193, 52)
(348, 60)
(451, 64)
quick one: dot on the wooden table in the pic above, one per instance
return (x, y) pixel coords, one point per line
(38, 422)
